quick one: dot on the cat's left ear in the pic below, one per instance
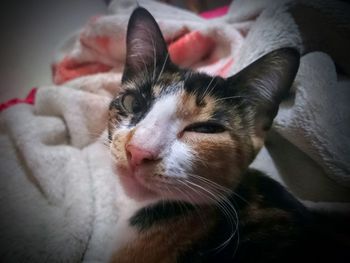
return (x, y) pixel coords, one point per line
(263, 84)
(145, 45)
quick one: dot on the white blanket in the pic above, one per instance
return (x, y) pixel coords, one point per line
(59, 198)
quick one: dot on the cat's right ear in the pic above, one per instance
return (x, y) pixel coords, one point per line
(146, 48)
(263, 84)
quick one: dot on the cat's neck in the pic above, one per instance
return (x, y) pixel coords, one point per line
(160, 231)
(126, 233)
(164, 230)
(169, 231)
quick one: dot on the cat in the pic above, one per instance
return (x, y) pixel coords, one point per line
(183, 141)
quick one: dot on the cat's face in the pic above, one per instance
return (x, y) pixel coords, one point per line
(177, 130)
(180, 135)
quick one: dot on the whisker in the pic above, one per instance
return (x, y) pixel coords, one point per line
(231, 97)
(225, 207)
(193, 201)
(164, 63)
(228, 203)
(219, 187)
(206, 89)
(182, 203)
(154, 60)
(188, 75)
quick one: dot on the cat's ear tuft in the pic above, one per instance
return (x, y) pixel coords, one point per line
(264, 83)
(145, 45)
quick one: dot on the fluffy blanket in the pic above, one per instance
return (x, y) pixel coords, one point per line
(59, 198)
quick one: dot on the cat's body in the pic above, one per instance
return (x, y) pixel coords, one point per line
(183, 141)
(272, 227)
(174, 232)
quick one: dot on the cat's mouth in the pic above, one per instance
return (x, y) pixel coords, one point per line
(145, 184)
(135, 185)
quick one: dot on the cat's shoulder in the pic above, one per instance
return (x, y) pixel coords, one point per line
(260, 189)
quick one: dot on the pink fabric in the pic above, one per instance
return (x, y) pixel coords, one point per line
(69, 69)
(226, 67)
(188, 49)
(217, 12)
(30, 99)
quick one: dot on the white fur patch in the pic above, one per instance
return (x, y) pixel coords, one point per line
(124, 232)
(158, 130)
(179, 161)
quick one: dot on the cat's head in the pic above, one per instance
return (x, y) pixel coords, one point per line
(180, 135)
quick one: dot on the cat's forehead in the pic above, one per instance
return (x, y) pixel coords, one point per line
(192, 106)
(196, 97)
(145, 83)
(199, 85)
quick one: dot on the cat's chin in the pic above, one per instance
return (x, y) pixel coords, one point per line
(136, 188)
(133, 187)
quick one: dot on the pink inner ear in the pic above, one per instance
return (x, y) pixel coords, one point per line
(191, 48)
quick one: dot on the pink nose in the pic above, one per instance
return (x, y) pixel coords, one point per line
(138, 156)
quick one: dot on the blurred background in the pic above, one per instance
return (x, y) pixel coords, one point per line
(31, 30)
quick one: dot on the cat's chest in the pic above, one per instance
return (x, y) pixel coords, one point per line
(126, 234)
(164, 240)
(149, 246)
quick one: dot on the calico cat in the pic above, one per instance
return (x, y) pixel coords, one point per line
(182, 143)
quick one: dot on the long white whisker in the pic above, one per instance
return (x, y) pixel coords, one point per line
(164, 63)
(154, 61)
(188, 76)
(225, 205)
(183, 207)
(190, 198)
(217, 186)
(231, 97)
(206, 89)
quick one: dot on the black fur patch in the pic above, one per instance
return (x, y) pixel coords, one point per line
(261, 240)
(159, 213)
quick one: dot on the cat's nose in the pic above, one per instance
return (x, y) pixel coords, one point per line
(138, 156)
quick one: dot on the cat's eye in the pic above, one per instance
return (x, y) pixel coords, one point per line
(206, 127)
(131, 103)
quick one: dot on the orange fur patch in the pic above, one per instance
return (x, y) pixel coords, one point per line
(218, 150)
(164, 243)
(220, 154)
(189, 111)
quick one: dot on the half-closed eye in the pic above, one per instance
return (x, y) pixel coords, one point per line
(205, 127)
